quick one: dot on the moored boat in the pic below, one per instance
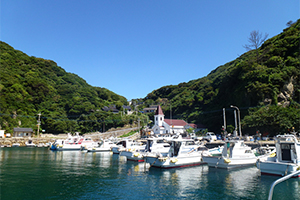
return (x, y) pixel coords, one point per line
(102, 146)
(235, 154)
(285, 161)
(29, 143)
(15, 145)
(74, 143)
(182, 153)
(125, 144)
(153, 146)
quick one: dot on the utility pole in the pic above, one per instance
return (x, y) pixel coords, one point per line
(235, 122)
(239, 116)
(224, 119)
(38, 125)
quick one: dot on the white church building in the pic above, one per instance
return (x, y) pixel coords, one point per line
(169, 126)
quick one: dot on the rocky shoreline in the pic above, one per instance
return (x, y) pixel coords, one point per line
(9, 141)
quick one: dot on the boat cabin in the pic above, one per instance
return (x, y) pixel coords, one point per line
(184, 146)
(287, 149)
(125, 143)
(156, 144)
(235, 148)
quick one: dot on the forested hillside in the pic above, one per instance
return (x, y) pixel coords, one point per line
(31, 85)
(263, 83)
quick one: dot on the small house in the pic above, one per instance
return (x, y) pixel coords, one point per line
(23, 132)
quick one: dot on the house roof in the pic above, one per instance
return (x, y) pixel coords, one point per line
(149, 109)
(175, 122)
(23, 130)
(193, 125)
(159, 111)
(127, 107)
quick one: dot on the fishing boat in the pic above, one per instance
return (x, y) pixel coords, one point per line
(74, 143)
(182, 153)
(55, 144)
(30, 143)
(124, 144)
(15, 145)
(285, 161)
(40, 145)
(153, 146)
(235, 154)
(102, 146)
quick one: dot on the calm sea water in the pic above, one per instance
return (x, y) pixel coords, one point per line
(38, 173)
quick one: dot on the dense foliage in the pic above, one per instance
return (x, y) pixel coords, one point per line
(266, 78)
(31, 85)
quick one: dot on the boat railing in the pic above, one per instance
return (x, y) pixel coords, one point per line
(279, 181)
(285, 137)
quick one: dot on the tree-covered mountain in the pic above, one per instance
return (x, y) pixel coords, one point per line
(31, 85)
(263, 83)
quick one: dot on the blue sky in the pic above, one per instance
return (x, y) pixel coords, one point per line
(133, 47)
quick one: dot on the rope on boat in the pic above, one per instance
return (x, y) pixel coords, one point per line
(154, 162)
(287, 167)
(218, 162)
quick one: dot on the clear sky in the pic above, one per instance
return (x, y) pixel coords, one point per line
(133, 47)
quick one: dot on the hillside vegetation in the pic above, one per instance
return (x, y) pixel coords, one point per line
(263, 83)
(31, 85)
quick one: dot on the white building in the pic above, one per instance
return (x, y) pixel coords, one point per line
(168, 126)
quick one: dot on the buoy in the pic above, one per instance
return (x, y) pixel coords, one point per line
(226, 160)
(174, 160)
(162, 159)
(273, 154)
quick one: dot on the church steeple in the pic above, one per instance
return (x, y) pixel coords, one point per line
(159, 116)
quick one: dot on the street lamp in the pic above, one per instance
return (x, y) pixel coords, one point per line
(239, 116)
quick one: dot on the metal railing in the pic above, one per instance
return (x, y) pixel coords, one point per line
(279, 181)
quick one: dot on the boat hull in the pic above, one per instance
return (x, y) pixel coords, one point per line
(277, 168)
(231, 163)
(133, 156)
(174, 162)
(69, 147)
(98, 150)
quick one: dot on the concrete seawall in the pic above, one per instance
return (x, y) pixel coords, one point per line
(45, 138)
(21, 141)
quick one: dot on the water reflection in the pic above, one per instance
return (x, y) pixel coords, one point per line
(42, 174)
(181, 182)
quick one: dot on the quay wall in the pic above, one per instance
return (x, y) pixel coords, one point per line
(21, 141)
(45, 138)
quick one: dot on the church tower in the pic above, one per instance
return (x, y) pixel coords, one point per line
(159, 116)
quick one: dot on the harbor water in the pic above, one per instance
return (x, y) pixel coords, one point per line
(38, 173)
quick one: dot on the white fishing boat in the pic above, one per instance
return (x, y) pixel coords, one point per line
(235, 154)
(48, 144)
(74, 143)
(182, 153)
(30, 143)
(124, 144)
(15, 145)
(102, 146)
(40, 145)
(153, 146)
(285, 161)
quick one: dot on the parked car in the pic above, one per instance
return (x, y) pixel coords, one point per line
(210, 136)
